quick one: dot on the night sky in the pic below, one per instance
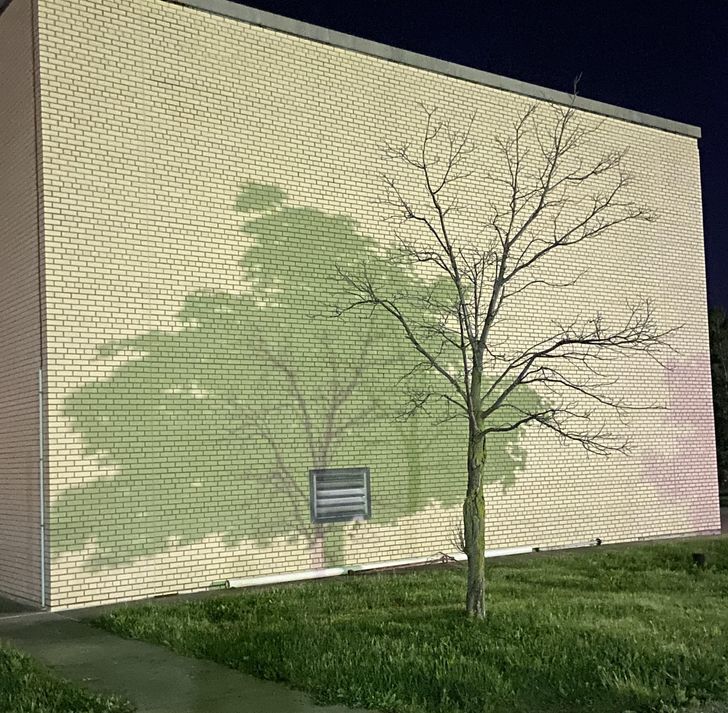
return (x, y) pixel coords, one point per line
(668, 59)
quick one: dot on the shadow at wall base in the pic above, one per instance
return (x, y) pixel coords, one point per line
(11, 605)
(440, 558)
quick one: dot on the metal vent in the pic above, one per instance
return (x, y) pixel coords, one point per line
(340, 494)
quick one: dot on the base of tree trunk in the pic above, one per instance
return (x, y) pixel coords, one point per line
(474, 522)
(475, 604)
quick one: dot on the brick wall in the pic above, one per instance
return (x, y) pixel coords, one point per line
(203, 177)
(20, 331)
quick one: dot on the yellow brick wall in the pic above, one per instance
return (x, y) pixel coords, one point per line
(154, 116)
(20, 317)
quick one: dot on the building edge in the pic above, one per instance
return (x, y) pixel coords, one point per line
(279, 23)
(43, 441)
(25, 553)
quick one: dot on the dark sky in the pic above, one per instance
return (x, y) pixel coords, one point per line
(664, 58)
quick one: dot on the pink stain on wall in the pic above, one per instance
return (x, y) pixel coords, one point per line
(684, 472)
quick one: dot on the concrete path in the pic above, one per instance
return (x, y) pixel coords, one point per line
(154, 678)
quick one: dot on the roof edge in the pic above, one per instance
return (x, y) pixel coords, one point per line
(253, 16)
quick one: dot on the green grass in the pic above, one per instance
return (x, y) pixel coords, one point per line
(26, 687)
(607, 631)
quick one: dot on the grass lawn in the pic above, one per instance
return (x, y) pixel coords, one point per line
(632, 629)
(26, 687)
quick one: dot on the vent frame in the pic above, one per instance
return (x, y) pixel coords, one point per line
(319, 478)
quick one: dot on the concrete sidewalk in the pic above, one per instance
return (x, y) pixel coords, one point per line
(154, 678)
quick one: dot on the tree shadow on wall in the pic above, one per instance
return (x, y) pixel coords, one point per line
(211, 429)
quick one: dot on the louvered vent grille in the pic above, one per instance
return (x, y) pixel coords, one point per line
(340, 494)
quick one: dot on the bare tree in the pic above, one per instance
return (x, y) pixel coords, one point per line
(549, 199)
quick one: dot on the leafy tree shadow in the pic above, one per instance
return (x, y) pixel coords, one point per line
(212, 429)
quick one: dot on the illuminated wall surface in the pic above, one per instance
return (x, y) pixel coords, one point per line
(203, 180)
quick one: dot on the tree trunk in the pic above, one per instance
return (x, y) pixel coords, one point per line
(474, 519)
(474, 525)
